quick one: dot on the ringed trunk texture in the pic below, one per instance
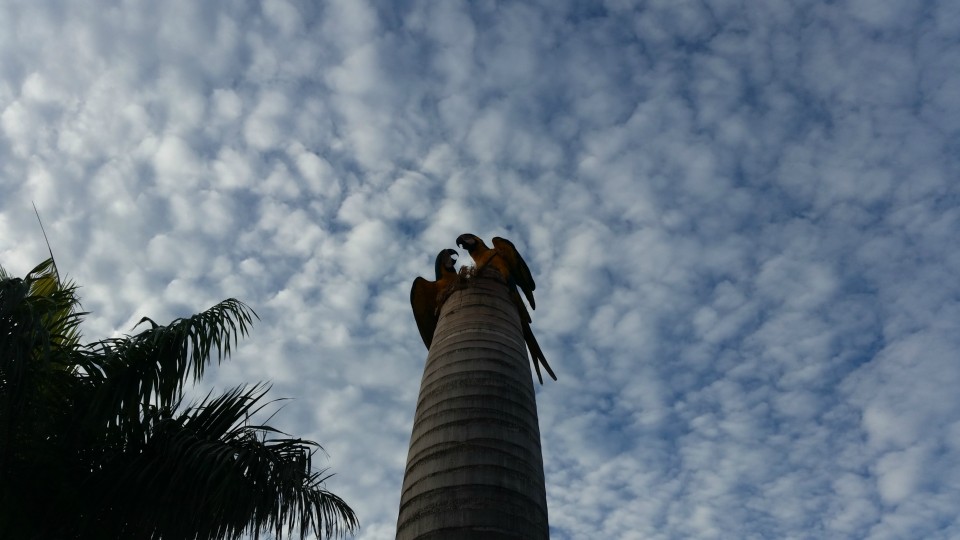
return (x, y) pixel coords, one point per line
(475, 468)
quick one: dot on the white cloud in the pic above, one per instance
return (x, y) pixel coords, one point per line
(319, 177)
(233, 169)
(741, 223)
(264, 128)
(351, 24)
(227, 104)
(177, 166)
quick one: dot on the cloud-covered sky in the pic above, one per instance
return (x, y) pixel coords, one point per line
(743, 218)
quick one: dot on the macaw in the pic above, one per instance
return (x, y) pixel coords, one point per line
(507, 261)
(504, 258)
(425, 295)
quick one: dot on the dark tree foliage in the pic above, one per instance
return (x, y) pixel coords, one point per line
(95, 441)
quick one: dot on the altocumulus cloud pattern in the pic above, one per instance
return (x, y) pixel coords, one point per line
(742, 218)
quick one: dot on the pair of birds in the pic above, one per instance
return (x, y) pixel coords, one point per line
(504, 258)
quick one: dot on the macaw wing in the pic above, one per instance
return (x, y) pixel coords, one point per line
(519, 271)
(423, 300)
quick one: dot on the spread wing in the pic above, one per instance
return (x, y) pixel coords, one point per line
(423, 300)
(519, 272)
(425, 295)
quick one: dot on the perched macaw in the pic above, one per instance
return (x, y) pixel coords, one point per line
(505, 258)
(425, 295)
(507, 261)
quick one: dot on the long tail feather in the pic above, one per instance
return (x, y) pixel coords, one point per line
(536, 353)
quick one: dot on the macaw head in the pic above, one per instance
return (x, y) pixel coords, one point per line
(470, 242)
(446, 261)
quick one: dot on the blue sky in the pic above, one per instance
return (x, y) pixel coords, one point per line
(743, 219)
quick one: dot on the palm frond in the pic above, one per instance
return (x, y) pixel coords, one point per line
(39, 321)
(39, 330)
(93, 431)
(153, 366)
(207, 472)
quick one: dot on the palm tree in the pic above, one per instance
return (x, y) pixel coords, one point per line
(95, 441)
(475, 467)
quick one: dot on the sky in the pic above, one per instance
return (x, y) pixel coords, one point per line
(742, 218)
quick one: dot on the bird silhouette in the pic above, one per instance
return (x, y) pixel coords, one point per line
(425, 294)
(506, 260)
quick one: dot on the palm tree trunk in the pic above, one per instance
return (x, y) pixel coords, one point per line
(475, 468)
